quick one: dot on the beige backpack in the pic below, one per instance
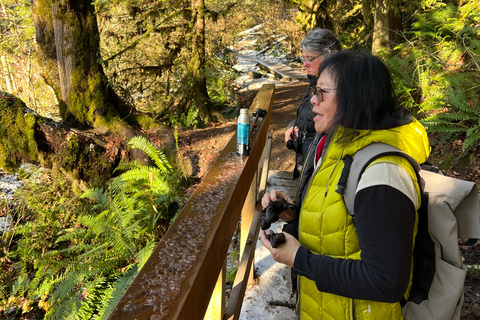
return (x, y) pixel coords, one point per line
(450, 211)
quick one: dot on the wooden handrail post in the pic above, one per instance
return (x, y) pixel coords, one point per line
(262, 184)
(246, 220)
(216, 307)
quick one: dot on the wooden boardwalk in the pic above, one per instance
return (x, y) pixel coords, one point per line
(247, 56)
(282, 181)
(278, 68)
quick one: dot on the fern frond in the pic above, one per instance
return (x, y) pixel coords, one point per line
(441, 127)
(97, 194)
(87, 256)
(157, 156)
(473, 138)
(20, 285)
(145, 253)
(91, 292)
(71, 234)
(125, 166)
(115, 293)
(153, 178)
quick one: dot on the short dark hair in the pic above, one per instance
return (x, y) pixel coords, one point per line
(322, 42)
(365, 92)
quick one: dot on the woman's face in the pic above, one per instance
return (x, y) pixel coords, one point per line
(311, 62)
(324, 109)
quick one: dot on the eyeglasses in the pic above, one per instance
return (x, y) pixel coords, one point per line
(309, 60)
(317, 91)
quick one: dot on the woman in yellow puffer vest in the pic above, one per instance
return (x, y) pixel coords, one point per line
(347, 270)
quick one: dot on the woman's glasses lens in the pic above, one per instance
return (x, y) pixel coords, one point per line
(316, 91)
(308, 60)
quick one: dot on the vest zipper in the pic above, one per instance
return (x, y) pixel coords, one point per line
(351, 309)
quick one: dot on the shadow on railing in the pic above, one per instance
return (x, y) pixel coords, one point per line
(181, 278)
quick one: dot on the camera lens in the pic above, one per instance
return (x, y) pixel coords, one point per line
(290, 144)
(298, 146)
(295, 145)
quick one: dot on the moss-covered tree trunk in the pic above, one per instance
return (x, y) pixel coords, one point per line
(202, 99)
(27, 137)
(367, 11)
(87, 159)
(314, 13)
(69, 45)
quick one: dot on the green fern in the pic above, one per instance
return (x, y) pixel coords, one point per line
(437, 71)
(157, 156)
(473, 137)
(116, 291)
(70, 250)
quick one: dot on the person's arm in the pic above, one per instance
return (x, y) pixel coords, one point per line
(385, 218)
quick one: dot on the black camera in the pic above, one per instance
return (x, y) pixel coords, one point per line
(295, 145)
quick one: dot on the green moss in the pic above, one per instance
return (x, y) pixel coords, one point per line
(17, 133)
(73, 153)
(76, 97)
(147, 123)
(83, 162)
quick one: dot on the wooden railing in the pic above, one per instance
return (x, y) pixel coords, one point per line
(185, 275)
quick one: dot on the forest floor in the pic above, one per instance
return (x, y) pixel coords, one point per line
(202, 147)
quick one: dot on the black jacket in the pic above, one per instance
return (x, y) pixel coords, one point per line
(304, 121)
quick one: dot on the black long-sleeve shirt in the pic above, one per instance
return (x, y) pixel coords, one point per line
(384, 219)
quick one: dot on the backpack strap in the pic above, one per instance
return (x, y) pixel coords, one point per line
(354, 168)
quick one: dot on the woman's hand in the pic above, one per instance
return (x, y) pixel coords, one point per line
(273, 195)
(288, 133)
(285, 253)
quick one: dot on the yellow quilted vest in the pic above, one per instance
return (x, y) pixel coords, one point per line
(326, 228)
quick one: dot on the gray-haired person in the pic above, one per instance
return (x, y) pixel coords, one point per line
(317, 45)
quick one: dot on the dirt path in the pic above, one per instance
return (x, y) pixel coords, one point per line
(201, 147)
(285, 106)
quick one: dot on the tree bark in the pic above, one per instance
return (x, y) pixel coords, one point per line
(367, 10)
(202, 99)
(312, 14)
(381, 27)
(395, 23)
(43, 20)
(69, 45)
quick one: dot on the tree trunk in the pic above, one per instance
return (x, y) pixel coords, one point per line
(69, 46)
(68, 41)
(395, 23)
(314, 13)
(202, 99)
(47, 56)
(85, 158)
(381, 27)
(367, 10)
